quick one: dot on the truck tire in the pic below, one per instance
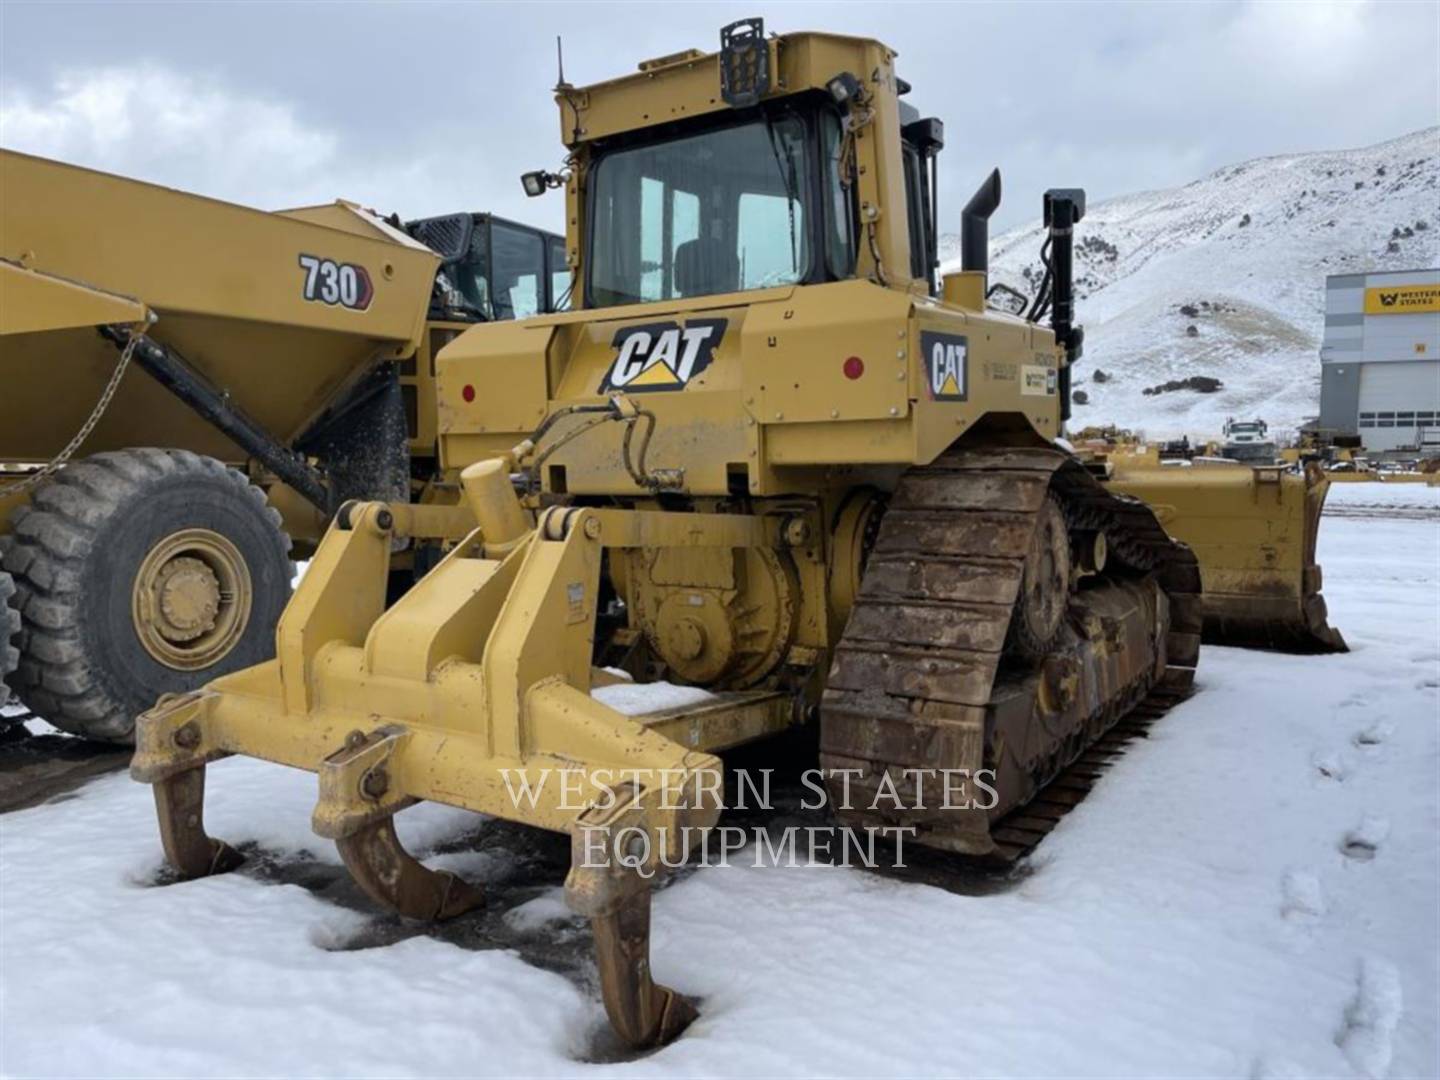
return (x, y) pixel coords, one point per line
(140, 573)
(9, 630)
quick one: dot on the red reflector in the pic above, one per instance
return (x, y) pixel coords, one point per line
(854, 367)
(468, 393)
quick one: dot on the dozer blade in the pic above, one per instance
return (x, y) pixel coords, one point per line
(1254, 530)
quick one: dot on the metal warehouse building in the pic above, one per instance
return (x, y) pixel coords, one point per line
(1380, 361)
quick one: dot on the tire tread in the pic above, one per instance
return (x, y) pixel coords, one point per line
(41, 563)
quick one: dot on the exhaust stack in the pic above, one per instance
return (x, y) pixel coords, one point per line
(975, 224)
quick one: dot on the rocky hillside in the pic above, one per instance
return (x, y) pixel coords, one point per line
(1222, 281)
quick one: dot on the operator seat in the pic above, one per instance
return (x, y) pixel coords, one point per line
(704, 267)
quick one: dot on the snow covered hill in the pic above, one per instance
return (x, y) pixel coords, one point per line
(1241, 257)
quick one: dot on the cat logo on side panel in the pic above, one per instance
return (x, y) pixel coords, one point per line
(661, 356)
(946, 357)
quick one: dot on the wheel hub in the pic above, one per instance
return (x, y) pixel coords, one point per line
(191, 599)
(189, 594)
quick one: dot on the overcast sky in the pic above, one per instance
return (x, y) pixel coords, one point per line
(429, 108)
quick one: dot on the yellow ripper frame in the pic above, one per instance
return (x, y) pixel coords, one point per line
(475, 683)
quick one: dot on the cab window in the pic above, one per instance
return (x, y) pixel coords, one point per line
(518, 258)
(561, 288)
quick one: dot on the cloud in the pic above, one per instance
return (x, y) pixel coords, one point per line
(156, 124)
(290, 107)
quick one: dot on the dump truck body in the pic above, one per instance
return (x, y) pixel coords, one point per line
(148, 339)
(231, 291)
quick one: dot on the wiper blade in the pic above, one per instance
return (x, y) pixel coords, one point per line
(792, 187)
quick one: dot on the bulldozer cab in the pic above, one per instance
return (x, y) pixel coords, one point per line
(744, 199)
(729, 218)
(755, 192)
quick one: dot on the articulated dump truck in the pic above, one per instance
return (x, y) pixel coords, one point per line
(767, 454)
(294, 346)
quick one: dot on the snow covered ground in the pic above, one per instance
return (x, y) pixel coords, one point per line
(1254, 891)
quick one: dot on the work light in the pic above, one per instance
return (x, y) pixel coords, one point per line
(843, 88)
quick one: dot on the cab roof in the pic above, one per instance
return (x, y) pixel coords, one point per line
(687, 83)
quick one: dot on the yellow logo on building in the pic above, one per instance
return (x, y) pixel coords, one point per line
(1402, 299)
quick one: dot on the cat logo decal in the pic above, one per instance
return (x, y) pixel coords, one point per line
(946, 362)
(661, 356)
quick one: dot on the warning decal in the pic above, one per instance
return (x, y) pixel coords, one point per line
(1037, 380)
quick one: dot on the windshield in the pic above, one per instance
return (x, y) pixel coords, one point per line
(519, 268)
(466, 281)
(502, 275)
(716, 212)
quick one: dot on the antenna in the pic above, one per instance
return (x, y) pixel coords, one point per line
(560, 63)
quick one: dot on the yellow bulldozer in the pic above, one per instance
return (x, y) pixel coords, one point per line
(767, 455)
(285, 364)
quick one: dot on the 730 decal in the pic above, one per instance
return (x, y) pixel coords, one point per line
(344, 284)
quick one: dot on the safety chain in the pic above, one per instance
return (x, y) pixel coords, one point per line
(21, 486)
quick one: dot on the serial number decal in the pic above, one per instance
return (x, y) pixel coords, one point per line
(661, 356)
(1037, 381)
(344, 285)
(946, 364)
